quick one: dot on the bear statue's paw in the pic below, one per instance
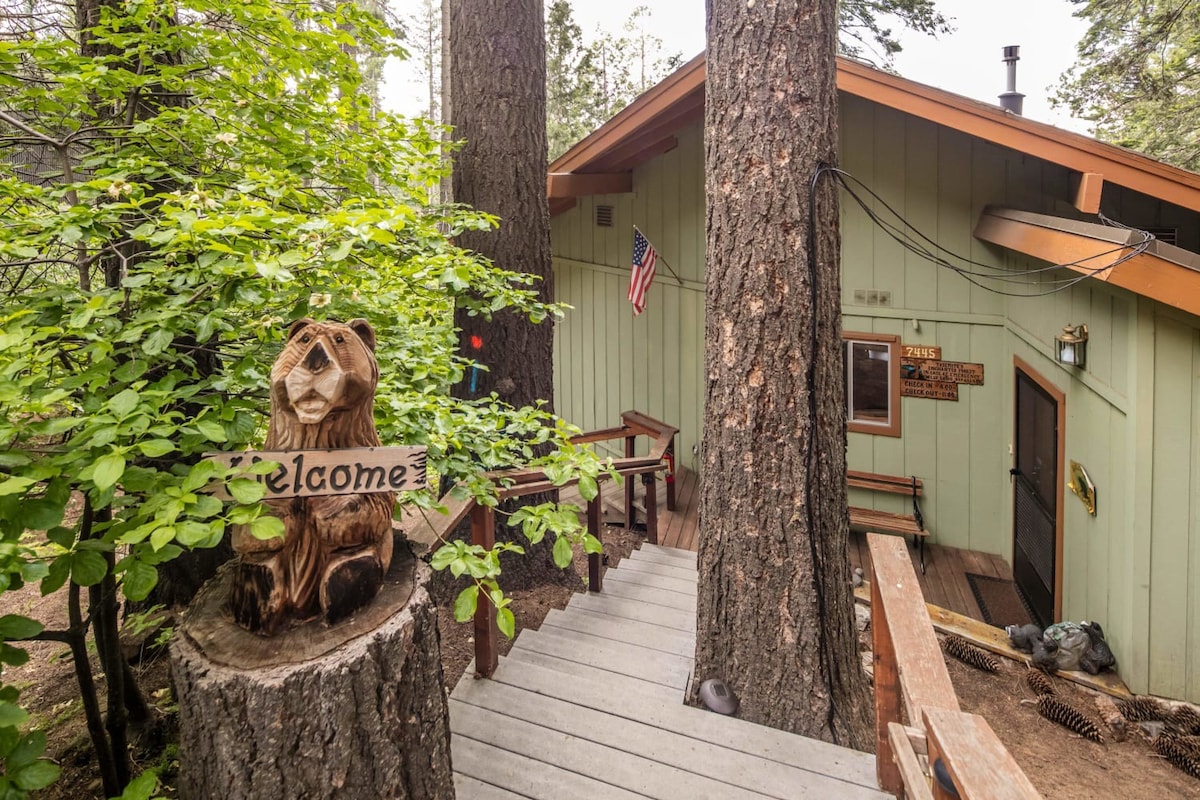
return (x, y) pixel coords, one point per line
(256, 599)
(351, 581)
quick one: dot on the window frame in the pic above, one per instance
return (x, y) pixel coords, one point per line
(892, 426)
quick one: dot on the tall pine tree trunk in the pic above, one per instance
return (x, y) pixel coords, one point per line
(774, 615)
(498, 85)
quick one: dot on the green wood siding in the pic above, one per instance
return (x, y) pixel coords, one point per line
(1132, 416)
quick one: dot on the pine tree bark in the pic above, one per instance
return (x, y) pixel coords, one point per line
(353, 711)
(498, 86)
(774, 609)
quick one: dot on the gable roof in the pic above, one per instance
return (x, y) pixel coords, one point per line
(647, 126)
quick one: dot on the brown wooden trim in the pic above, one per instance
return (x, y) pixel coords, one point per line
(1060, 400)
(985, 121)
(976, 759)
(562, 205)
(893, 427)
(887, 693)
(1087, 188)
(572, 184)
(595, 562)
(1146, 274)
(896, 484)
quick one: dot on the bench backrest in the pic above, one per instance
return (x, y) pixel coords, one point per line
(895, 484)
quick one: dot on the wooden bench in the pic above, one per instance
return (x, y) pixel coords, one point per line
(885, 521)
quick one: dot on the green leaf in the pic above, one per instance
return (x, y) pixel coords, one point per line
(246, 490)
(466, 602)
(142, 787)
(212, 430)
(87, 567)
(158, 340)
(267, 527)
(562, 552)
(591, 544)
(12, 714)
(13, 656)
(506, 622)
(60, 570)
(13, 626)
(123, 402)
(108, 470)
(162, 535)
(26, 752)
(41, 514)
(588, 488)
(140, 578)
(153, 448)
(37, 775)
(15, 485)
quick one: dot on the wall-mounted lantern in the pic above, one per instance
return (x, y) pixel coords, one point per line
(1070, 346)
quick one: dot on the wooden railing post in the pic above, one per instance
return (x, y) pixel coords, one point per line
(887, 692)
(595, 578)
(671, 476)
(630, 518)
(651, 485)
(483, 533)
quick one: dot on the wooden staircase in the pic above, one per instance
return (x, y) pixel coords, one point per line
(591, 706)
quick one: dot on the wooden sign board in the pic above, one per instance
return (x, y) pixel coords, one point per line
(309, 473)
(933, 390)
(946, 371)
(920, 351)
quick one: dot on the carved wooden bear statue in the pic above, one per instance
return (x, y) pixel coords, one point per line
(336, 549)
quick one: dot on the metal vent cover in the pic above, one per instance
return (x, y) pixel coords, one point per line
(604, 216)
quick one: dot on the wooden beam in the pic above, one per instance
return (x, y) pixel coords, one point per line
(574, 184)
(1087, 188)
(562, 205)
(977, 760)
(1088, 248)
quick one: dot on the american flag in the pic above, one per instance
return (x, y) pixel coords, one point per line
(644, 257)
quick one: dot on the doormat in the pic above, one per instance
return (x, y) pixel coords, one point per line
(998, 600)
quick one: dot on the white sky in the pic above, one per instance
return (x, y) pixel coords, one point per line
(966, 61)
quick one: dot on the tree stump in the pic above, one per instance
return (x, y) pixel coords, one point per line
(352, 710)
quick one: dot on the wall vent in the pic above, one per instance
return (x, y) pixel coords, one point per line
(1164, 235)
(604, 216)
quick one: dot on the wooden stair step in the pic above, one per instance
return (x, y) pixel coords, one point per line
(646, 579)
(631, 609)
(655, 568)
(648, 594)
(669, 552)
(466, 788)
(605, 626)
(525, 776)
(626, 659)
(570, 671)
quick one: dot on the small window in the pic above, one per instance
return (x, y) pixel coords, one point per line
(872, 383)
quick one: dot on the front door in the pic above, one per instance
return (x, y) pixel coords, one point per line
(1036, 494)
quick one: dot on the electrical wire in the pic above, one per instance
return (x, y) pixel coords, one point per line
(915, 242)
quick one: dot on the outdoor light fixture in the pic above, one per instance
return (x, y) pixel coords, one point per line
(1071, 345)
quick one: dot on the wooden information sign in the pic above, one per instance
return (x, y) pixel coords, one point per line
(933, 390)
(950, 371)
(314, 473)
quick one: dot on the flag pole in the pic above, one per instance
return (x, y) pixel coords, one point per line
(663, 260)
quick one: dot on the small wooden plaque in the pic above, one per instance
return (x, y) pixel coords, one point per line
(309, 473)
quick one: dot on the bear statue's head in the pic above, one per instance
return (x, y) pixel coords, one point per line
(325, 367)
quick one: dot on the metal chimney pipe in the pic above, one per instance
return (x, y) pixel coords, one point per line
(1012, 100)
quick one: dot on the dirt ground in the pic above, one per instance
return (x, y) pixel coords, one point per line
(1061, 764)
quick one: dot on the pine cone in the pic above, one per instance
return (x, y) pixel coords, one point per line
(1065, 714)
(969, 654)
(1039, 682)
(1141, 709)
(1184, 720)
(1179, 752)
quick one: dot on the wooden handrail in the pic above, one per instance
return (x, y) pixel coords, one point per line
(427, 531)
(911, 677)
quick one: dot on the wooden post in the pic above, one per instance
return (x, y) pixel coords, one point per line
(649, 482)
(887, 692)
(595, 578)
(483, 533)
(671, 476)
(630, 515)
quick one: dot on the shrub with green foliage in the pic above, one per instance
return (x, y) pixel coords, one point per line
(178, 182)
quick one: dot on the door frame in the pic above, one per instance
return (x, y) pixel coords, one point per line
(1060, 401)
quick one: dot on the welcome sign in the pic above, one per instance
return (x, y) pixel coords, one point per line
(311, 473)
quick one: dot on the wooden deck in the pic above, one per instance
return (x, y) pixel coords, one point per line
(591, 705)
(944, 582)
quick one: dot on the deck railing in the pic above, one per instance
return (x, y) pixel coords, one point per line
(911, 677)
(519, 483)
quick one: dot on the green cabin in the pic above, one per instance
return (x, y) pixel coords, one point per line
(974, 383)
